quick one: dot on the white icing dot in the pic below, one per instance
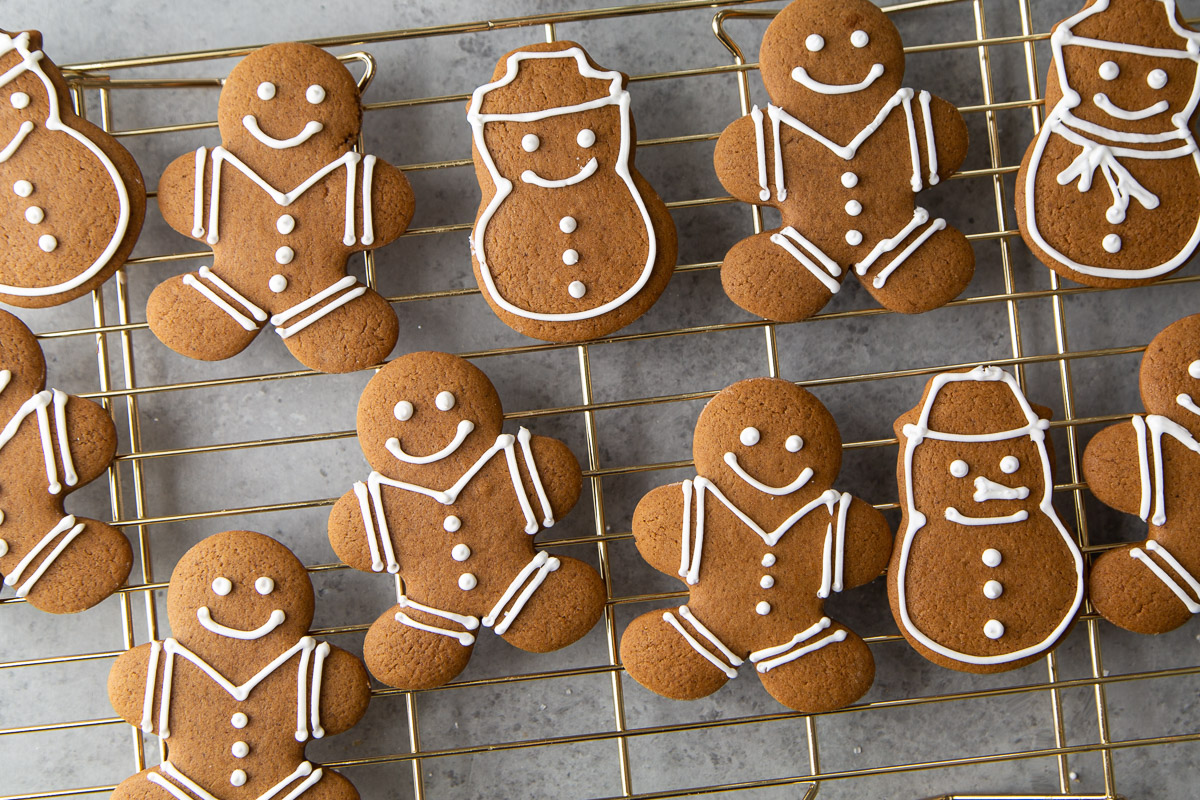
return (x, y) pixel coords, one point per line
(444, 401)
(1157, 79)
(530, 142)
(3, 548)
(1112, 243)
(815, 42)
(794, 444)
(854, 208)
(467, 582)
(860, 39)
(750, 436)
(586, 138)
(1009, 465)
(238, 720)
(238, 777)
(452, 523)
(19, 99)
(1109, 70)
(992, 557)
(768, 560)
(240, 749)
(1, 523)
(284, 255)
(576, 289)
(285, 224)
(34, 215)
(277, 283)
(959, 468)
(266, 90)
(854, 238)
(23, 188)
(992, 590)
(222, 586)
(766, 581)
(403, 410)
(849, 180)
(47, 243)
(763, 608)
(264, 585)
(460, 552)
(570, 257)
(1193, 370)
(993, 629)
(567, 224)
(315, 94)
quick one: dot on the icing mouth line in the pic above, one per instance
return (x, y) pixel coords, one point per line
(1187, 402)
(205, 616)
(464, 429)
(311, 128)
(804, 477)
(588, 169)
(954, 515)
(801, 76)
(1113, 110)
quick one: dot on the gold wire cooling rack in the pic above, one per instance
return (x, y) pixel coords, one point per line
(1057, 740)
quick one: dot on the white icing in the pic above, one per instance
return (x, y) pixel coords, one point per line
(535, 572)
(793, 444)
(284, 255)
(992, 557)
(849, 180)
(264, 585)
(239, 750)
(464, 429)
(576, 289)
(238, 720)
(815, 42)
(460, 552)
(34, 215)
(1156, 79)
(315, 94)
(47, 243)
(403, 410)
(451, 524)
(14, 577)
(3, 548)
(22, 188)
(277, 283)
(285, 224)
(266, 90)
(368, 222)
(1010, 464)
(530, 142)
(766, 581)
(860, 39)
(881, 277)
(147, 725)
(468, 622)
(219, 302)
(854, 208)
(993, 629)
(1194, 369)
(467, 582)
(198, 193)
(1158, 425)
(23, 130)
(986, 489)
(749, 436)
(959, 468)
(64, 440)
(1113, 110)
(567, 224)
(1109, 70)
(768, 560)
(586, 138)
(954, 515)
(730, 668)
(212, 626)
(305, 769)
(1161, 574)
(570, 257)
(763, 608)
(311, 128)
(39, 404)
(789, 651)
(801, 76)
(222, 586)
(760, 149)
(19, 100)
(785, 239)
(524, 437)
(1185, 400)
(283, 316)
(585, 172)
(238, 777)
(993, 589)
(930, 143)
(854, 238)
(778, 491)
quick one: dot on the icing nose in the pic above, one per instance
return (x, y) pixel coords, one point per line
(990, 490)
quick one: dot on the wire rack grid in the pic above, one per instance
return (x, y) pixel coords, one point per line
(629, 744)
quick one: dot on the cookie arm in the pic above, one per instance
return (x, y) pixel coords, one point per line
(127, 685)
(348, 533)
(390, 208)
(91, 436)
(736, 159)
(868, 543)
(557, 469)
(1111, 467)
(949, 133)
(345, 691)
(177, 195)
(658, 526)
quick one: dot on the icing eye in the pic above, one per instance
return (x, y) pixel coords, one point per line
(264, 585)
(1009, 465)
(222, 586)
(403, 411)
(586, 138)
(266, 90)
(750, 436)
(315, 94)
(1194, 369)
(959, 468)
(1157, 79)
(815, 42)
(860, 39)
(794, 443)
(21, 100)
(1109, 70)
(444, 401)
(530, 142)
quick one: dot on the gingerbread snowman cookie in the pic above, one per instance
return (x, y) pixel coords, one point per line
(761, 539)
(841, 152)
(1107, 192)
(985, 577)
(451, 508)
(51, 443)
(1148, 467)
(240, 688)
(283, 202)
(570, 242)
(75, 197)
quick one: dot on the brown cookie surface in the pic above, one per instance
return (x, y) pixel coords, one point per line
(841, 152)
(760, 539)
(75, 198)
(570, 241)
(1106, 194)
(283, 202)
(241, 688)
(984, 576)
(451, 507)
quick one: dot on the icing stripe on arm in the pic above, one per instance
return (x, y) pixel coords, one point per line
(198, 196)
(523, 436)
(368, 237)
(760, 148)
(930, 145)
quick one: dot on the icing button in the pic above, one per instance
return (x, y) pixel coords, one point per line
(1112, 243)
(452, 523)
(853, 237)
(567, 224)
(992, 557)
(849, 180)
(530, 142)
(239, 720)
(284, 255)
(763, 608)
(34, 215)
(766, 582)
(854, 208)
(19, 100)
(238, 777)
(768, 560)
(993, 589)
(285, 224)
(277, 283)
(460, 552)
(467, 582)
(240, 749)
(22, 188)
(47, 243)
(576, 289)
(993, 629)
(3, 548)
(571, 257)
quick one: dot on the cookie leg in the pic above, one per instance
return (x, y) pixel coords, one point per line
(666, 653)
(93, 563)
(1129, 593)
(780, 275)
(332, 786)
(925, 266)
(142, 787)
(342, 328)
(413, 649)
(203, 318)
(560, 611)
(827, 669)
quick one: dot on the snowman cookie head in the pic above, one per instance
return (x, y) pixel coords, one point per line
(817, 53)
(286, 99)
(22, 365)
(426, 418)
(765, 439)
(1170, 374)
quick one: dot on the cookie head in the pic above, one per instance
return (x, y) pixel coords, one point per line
(427, 417)
(292, 98)
(25, 93)
(22, 365)
(1170, 374)
(818, 52)
(769, 438)
(239, 589)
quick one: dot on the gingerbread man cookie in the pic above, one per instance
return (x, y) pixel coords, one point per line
(51, 443)
(842, 157)
(75, 197)
(760, 539)
(1148, 467)
(451, 508)
(240, 689)
(1107, 192)
(570, 242)
(283, 201)
(985, 577)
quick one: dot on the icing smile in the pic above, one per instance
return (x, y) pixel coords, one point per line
(800, 76)
(954, 515)
(1113, 110)
(274, 621)
(311, 128)
(804, 477)
(529, 176)
(464, 429)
